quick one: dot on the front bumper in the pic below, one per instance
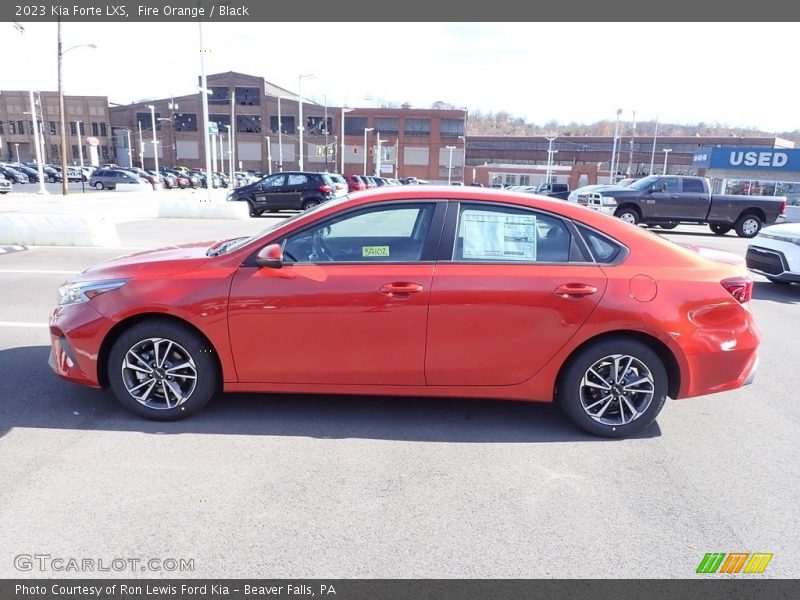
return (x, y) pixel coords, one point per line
(76, 334)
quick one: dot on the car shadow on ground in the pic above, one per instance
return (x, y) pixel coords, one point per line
(776, 292)
(36, 398)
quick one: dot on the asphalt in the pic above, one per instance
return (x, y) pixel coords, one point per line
(310, 486)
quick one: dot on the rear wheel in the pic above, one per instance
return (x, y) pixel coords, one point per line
(719, 229)
(668, 225)
(162, 370)
(613, 388)
(98, 185)
(629, 215)
(310, 203)
(747, 226)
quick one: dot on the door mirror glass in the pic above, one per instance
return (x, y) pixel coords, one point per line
(270, 256)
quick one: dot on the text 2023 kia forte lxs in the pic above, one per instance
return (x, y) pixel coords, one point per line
(417, 291)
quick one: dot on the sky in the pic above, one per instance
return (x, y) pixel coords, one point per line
(736, 74)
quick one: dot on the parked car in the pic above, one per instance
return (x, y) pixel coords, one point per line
(355, 183)
(340, 184)
(111, 178)
(554, 190)
(32, 173)
(290, 190)
(775, 253)
(581, 194)
(5, 185)
(668, 200)
(168, 180)
(13, 174)
(583, 310)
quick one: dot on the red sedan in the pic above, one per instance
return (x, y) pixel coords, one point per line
(417, 291)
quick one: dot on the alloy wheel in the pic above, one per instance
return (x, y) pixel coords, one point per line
(159, 373)
(617, 389)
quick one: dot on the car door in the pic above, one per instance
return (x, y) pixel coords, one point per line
(296, 184)
(694, 199)
(663, 201)
(269, 192)
(348, 306)
(511, 288)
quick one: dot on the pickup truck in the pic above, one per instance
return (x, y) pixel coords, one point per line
(668, 200)
(554, 190)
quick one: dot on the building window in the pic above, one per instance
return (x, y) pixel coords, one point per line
(185, 122)
(12, 127)
(1, 128)
(20, 127)
(452, 127)
(95, 129)
(53, 127)
(219, 95)
(355, 125)
(524, 179)
(386, 125)
(75, 152)
(104, 152)
(287, 124)
(145, 120)
(510, 179)
(248, 96)
(221, 121)
(73, 128)
(54, 150)
(418, 127)
(103, 131)
(248, 123)
(316, 125)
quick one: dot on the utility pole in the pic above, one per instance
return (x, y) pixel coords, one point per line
(653, 153)
(378, 155)
(550, 153)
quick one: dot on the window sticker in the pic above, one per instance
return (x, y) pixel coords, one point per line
(498, 236)
(374, 250)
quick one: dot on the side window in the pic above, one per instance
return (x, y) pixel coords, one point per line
(500, 233)
(671, 185)
(603, 249)
(296, 179)
(274, 181)
(693, 186)
(375, 234)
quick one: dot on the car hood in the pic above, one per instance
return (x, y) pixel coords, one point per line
(162, 262)
(784, 229)
(619, 191)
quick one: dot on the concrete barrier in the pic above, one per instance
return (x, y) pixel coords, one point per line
(42, 229)
(202, 209)
(134, 187)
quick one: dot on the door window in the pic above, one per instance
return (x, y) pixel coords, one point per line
(297, 179)
(376, 234)
(272, 181)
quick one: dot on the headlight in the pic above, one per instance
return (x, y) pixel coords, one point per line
(83, 291)
(609, 201)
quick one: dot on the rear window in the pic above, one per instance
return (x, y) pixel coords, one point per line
(604, 250)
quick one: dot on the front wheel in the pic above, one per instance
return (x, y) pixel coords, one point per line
(629, 215)
(613, 388)
(98, 186)
(748, 226)
(162, 370)
(719, 229)
(254, 212)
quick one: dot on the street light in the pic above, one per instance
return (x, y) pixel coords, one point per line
(300, 116)
(269, 155)
(450, 163)
(280, 136)
(152, 108)
(80, 154)
(666, 154)
(366, 129)
(344, 110)
(61, 53)
(17, 148)
(612, 170)
(36, 142)
(550, 153)
(463, 138)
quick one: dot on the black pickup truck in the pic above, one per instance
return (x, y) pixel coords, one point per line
(668, 200)
(554, 190)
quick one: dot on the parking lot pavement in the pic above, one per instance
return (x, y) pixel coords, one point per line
(314, 486)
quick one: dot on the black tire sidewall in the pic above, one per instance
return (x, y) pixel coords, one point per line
(631, 211)
(569, 383)
(198, 349)
(739, 227)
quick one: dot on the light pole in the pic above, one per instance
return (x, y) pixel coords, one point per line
(61, 53)
(633, 135)
(269, 155)
(550, 153)
(666, 154)
(130, 158)
(450, 163)
(378, 155)
(341, 133)
(280, 136)
(612, 170)
(300, 110)
(152, 108)
(653, 153)
(80, 154)
(463, 138)
(39, 169)
(206, 129)
(366, 129)
(16, 146)
(230, 157)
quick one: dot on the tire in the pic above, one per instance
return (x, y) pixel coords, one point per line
(748, 225)
(719, 229)
(668, 225)
(165, 399)
(607, 358)
(99, 186)
(629, 215)
(254, 212)
(52, 180)
(310, 203)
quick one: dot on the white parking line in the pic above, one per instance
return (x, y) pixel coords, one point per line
(23, 324)
(38, 271)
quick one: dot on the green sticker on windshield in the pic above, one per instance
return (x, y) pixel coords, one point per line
(374, 250)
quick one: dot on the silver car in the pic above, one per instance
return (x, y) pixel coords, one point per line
(110, 178)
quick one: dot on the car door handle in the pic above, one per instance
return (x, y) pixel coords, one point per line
(400, 288)
(575, 290)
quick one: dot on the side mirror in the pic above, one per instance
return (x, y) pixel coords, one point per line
(270, 256)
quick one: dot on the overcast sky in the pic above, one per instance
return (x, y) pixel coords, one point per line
(734, 74)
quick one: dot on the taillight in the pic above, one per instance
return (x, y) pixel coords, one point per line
(741, 288)
(783, 208)
(324, 188)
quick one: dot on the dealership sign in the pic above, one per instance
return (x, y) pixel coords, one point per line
(750, 159)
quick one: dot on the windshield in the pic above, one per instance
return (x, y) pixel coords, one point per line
(237, 243)
(643, 184)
